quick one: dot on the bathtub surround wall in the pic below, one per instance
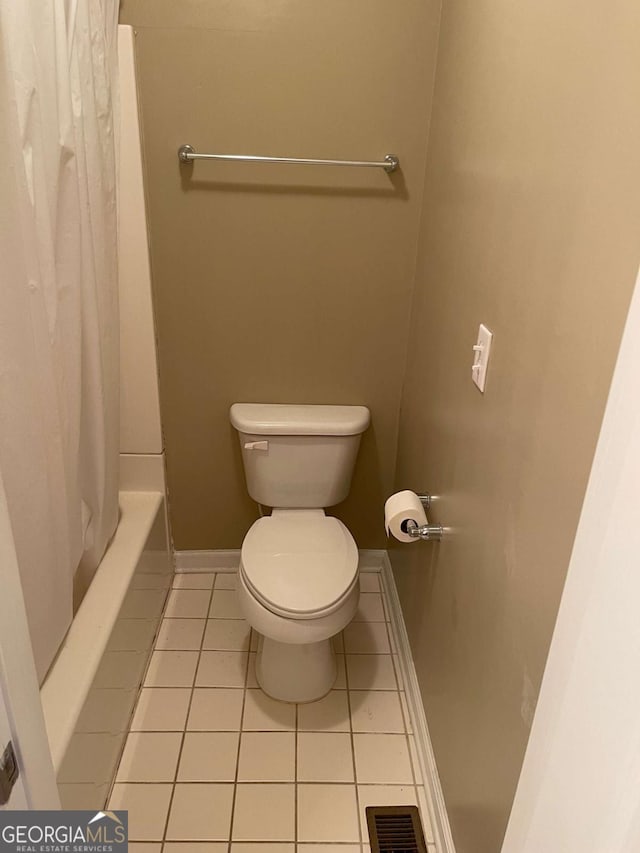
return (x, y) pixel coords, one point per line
(280, 283)
(140, 431)
(530, 226)
(141, 447)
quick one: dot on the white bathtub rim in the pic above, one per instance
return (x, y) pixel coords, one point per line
(68, 683)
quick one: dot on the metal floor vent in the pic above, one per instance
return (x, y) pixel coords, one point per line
(395, 829)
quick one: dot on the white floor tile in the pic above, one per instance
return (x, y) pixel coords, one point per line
(187, 604)
(261, 713)
(325, 757)
(226, 580)
(180, 634)
(264, 813)
(209, 757)
(376, 711)
(329, 714)
(384, 795)
(193, 580)
(171, 669)
(371, 672)
(193, 847)
(200, 812)
(225, 605)
(145, 847)
(150, 757)
(215, 709)
(382, 759)
(370, 608)
(329, 848)
(222, 669)
(369, 581)
(227, 635)
(161, 709)
(267, 757)
(327, 813)
(341, 678)
(147, 806)
(264, 847)
(366, 638)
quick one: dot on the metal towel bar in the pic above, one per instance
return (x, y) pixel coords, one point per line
(186, 154)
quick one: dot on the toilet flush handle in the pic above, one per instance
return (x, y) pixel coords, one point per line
(256, 445)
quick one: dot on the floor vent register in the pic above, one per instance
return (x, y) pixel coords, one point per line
(395, 829)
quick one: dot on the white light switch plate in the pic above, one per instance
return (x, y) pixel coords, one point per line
(481, 352)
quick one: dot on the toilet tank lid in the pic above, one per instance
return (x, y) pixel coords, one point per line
(278, 419)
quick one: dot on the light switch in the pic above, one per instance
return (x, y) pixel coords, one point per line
(481, 351)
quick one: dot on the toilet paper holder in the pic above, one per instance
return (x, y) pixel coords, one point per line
(428, 532)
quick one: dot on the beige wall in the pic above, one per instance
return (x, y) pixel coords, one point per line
(532, 226)
(274, 283)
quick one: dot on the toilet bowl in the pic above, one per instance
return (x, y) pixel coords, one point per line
(298, 588)
(298, 579)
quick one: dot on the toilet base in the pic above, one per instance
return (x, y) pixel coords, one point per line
(295, 673)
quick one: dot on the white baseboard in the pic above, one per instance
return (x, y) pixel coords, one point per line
(435, 797)
(228, 561)
(371, 560)
(207, 561)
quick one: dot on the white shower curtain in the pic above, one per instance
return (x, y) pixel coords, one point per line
(58, 298)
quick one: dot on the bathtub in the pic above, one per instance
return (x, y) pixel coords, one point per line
(90, 691)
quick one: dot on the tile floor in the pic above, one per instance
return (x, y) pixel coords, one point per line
(212, 763)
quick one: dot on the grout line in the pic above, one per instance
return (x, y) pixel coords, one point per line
(184, 732)
(240, 733)
(353, 752)
(273, 781)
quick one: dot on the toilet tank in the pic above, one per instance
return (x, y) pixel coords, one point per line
(298, 456)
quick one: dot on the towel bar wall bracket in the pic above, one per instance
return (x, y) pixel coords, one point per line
(187, 154)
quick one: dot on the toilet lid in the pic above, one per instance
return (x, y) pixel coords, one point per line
(299, 563)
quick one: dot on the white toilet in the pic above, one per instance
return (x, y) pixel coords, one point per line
(298, 578)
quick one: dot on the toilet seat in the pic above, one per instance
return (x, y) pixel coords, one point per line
(299, 564)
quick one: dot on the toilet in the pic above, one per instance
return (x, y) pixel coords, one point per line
(298, 577)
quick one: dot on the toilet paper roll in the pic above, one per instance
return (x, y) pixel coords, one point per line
(400, 508)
